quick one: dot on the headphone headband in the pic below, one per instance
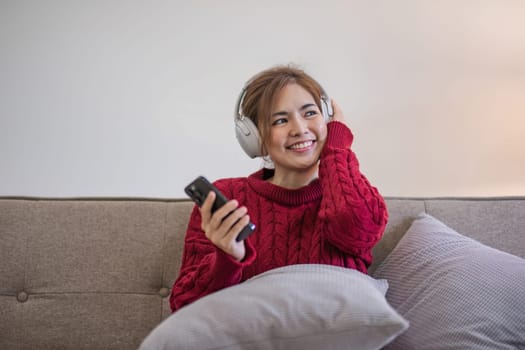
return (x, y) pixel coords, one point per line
(246, 131)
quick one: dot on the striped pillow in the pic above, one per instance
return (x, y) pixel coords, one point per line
(456, 292)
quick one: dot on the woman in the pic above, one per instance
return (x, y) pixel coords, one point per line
(314, 206)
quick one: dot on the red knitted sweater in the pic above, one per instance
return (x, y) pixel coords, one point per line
(335, 220)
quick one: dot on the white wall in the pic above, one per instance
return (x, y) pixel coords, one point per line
(135, 98)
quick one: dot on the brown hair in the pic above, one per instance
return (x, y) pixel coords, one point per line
(262, 90)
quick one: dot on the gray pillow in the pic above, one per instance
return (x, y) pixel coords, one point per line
(456, 292)
(294, 307)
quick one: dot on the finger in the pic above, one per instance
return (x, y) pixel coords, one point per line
(205, 209)
(233, 218)
(223, 212)
(338, 112)
(237, 228)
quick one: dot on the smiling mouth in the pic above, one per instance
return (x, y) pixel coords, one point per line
(301, 145)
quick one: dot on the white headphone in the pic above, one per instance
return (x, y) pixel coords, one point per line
(247, 133)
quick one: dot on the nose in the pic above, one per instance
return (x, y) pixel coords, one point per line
(298, 126)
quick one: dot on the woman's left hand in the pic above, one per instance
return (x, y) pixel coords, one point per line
(338, 113)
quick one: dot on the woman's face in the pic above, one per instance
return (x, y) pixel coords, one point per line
(297, 130)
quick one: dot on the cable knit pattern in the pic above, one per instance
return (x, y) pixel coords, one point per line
(335, 220)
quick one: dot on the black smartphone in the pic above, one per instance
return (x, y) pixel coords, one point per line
(198, 190)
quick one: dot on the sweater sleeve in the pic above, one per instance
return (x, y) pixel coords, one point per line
(354, 212)
(205, 268)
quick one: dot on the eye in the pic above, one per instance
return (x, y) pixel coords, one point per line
(279, 121)
(311, 113)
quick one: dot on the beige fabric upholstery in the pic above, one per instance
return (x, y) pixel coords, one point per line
(96, 273)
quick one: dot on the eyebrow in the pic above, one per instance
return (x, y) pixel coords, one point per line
(306, 106)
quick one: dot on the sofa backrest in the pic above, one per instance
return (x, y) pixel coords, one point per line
(86, 274)
(498, 222)
(97, 273)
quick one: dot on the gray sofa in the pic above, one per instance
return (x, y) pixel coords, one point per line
(95, 273)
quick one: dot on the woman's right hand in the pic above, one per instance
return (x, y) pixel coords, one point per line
(223, 226)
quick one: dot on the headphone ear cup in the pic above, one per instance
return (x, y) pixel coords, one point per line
(326, 108)
(248, 136)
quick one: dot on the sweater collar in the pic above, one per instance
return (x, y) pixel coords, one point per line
(257, 181)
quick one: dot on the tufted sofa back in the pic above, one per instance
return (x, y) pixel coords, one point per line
(86, 274)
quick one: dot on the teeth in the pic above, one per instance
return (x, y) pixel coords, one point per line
(301, 145)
